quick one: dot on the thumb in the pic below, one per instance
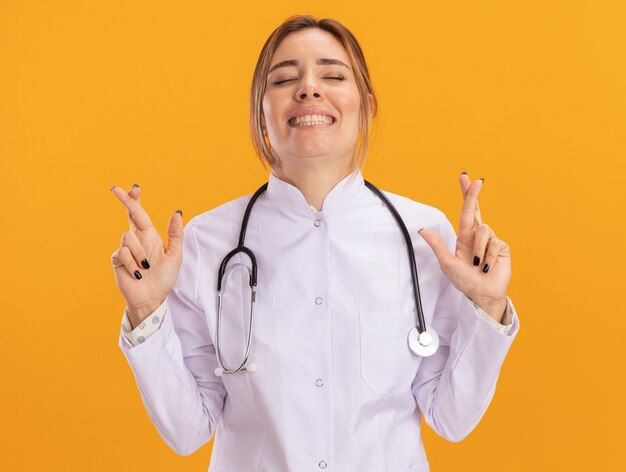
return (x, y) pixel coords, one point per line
(437, 244)
(175, 235)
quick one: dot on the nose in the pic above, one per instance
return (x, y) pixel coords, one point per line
(309, 88)
(308, 92)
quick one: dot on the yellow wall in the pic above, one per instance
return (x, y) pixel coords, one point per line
(527, 94)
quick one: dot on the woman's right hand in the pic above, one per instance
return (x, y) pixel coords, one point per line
(145, 271)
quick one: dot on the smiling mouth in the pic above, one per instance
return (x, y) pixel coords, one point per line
(311, 121)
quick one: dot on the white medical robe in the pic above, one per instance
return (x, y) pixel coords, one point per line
(337, 387)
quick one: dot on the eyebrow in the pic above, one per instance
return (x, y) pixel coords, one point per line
(320, 62)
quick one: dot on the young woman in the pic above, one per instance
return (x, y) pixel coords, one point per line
(327, 376)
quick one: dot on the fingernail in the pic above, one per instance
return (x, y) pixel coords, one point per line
(145, 264)
(482, 179)
(486, 268)
(476, 260)
(463, 173)
(112, 188)
(420, 230)
(180, 212)
(135, 185)
(137, 275)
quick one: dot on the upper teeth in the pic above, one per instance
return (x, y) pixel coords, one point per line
(312, 119)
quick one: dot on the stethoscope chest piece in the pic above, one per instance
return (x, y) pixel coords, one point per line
(423, 344)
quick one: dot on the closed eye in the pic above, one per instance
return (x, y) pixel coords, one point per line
(278, 82)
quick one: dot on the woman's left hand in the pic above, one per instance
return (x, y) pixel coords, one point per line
(485, 283)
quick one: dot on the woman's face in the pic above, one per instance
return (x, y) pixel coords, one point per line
(310, 75)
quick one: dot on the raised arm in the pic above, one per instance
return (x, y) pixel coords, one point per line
(174, 367)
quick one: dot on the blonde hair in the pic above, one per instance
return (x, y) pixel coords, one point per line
(259, 82)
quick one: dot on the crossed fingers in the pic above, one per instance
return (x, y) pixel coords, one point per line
(470, 213)
(134, 193)
(486, 245)
(137, 217)
(131, 253)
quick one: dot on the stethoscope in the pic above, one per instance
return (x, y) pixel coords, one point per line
(423, 340)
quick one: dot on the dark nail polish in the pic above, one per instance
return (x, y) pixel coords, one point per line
(135, 185)
(137, 275)
(180, 212)
(483, 179)
(486, 268)
(463, 173)
(476, 260)
(112, 187)
(145, 264)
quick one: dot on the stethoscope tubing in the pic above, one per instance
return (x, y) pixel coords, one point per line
(419, 316)
(421, 329)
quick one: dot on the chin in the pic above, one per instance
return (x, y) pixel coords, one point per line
(311, 154)
(312, 150)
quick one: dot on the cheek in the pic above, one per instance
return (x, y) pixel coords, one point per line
(351, 111)
(268, 106)
(351, 104)
(270, 112)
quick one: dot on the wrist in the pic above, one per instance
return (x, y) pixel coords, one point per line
(496, 309)
(137, 314)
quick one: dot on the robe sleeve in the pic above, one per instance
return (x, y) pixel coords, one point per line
(174, 367)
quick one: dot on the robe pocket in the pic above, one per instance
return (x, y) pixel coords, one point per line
(387, 363)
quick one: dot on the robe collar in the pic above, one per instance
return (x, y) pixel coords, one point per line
(344, 192)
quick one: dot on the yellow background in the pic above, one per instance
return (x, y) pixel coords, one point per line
(527, 94)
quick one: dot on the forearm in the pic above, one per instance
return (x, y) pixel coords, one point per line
(455, 386)
(184, 413)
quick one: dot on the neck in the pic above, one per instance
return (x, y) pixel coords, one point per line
(315, 179)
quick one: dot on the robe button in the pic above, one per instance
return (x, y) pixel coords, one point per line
(318, 301)
(322, 465)
(317, 223)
